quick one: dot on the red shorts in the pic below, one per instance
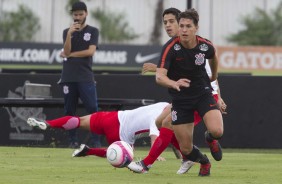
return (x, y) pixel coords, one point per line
(105, 123)
(197, 117)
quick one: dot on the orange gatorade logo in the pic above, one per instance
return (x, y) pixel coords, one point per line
(250, 59)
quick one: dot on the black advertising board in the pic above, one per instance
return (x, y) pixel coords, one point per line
(47, 56)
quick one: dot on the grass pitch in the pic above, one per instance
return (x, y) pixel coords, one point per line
(55, 165)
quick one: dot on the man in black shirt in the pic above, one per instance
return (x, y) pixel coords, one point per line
(164, 121)
(77, 79)
(182, 70)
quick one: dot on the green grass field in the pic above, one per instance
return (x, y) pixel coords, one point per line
(55, 165)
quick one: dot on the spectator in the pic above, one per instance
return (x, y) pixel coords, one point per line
(77, 78)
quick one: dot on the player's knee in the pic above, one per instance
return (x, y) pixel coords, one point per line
(84, 122)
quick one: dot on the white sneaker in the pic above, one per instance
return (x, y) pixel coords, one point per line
(81, 152)
(37, 123)
(185, 166)
(138, 167)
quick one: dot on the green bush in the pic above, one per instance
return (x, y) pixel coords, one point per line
(18, 26)
(261, 28)
(113, 28)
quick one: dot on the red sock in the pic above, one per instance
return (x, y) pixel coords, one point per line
(99, 152)
(66, 122)
(159, 146)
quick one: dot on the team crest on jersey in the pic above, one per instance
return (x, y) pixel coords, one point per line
(87, 36)
(177, 47)
(204, 47)
(173, 115)
(200, 59)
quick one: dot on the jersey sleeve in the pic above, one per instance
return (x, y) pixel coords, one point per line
(211, 51)
(65, 35)
(94, 37)
(167, 54)
(207, 47)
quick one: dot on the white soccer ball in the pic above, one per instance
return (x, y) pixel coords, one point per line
(119, 154)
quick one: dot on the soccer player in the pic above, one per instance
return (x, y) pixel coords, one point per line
(125, 125)
(181, 69)
(166, 133)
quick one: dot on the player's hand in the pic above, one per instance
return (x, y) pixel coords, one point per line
(181, 83)
(149, 67)
(74, 27)
(62, 54)
(222, 106)
(161, 158)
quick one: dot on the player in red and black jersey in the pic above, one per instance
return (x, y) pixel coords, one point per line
(182, 70)
(185, 63)
(164, 121)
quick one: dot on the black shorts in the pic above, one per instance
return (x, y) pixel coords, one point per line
(182, 111)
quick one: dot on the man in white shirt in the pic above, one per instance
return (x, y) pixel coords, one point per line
(125, 125)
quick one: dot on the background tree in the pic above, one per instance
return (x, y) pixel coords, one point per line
(156, 34)
(113, 27)
(261, 28)
(19, 26)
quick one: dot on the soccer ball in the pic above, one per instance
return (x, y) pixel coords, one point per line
(119, 154)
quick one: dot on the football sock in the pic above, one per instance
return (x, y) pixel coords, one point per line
(159, 146)
(197, 156)
(66, 122)
(99, 152)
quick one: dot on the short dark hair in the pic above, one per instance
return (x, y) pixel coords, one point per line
(190, 14)
(79, 6)
(173, 11)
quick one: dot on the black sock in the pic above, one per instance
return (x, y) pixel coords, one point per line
(197, 156)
